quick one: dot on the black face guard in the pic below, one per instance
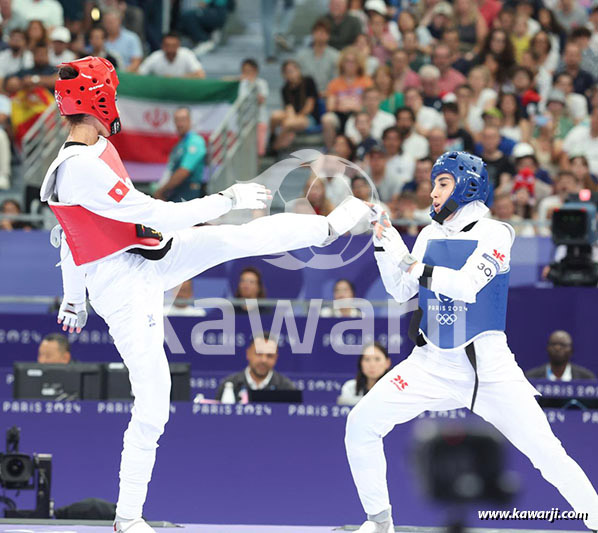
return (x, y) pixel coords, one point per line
(449, 207)
(115, 126)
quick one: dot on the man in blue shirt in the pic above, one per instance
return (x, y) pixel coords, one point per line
(186, 162)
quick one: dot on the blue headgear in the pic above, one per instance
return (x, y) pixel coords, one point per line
(471, 181)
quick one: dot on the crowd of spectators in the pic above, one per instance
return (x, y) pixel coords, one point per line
(513, 81)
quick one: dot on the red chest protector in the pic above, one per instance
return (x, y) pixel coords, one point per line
(92, 237)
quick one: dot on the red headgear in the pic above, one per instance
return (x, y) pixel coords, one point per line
(92, 92)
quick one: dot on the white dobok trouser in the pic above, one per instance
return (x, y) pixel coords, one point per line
(127, 291)
(508, 404)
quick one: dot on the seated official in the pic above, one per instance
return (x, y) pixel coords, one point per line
(374, 362)
(54, 349)
(559, 366)
(259, 374)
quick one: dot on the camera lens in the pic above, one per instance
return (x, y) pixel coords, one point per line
(15, 467)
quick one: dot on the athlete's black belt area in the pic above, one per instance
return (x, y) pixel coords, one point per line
(418, 339)
(152, 254)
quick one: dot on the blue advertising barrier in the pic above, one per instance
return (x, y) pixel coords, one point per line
(263, 464)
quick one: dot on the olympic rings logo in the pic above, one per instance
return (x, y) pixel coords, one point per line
(446, 319)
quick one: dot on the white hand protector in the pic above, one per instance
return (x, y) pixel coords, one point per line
(248, 195)
(392, 242)
(350, 212)
(72, 316)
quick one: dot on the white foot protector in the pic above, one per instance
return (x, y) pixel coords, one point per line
(377, 527)
(133, 526)
(348, 214)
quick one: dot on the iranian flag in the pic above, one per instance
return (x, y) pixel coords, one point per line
(146, 105)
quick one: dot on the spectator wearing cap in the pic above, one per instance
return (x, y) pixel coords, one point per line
(582, 80)
(49, 12)
(503, 209)
(400, 166)
(380, 119)
(401, 72)
(16, 57)
(344, 93)
(570, 14)
(559, 366)
(430, 80)
(556, 107)
(426, 118)
(441, 18)
(525, 158)
(566, 183)
(457, 138)
(413, 143)
(384, 41)
(320, 60)
(523, 194)
(577, 104)
(121, 41)
(500, 169)
(363, 125)
(60, 37)
(449, 78)
(344, 28)
(583, 140)
(97, 47)
(172, 61)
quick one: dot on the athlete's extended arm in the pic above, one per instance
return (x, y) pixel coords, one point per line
(73, 311)
(98, 189)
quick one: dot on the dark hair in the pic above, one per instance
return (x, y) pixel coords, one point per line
(40, 44)
(288, 62)
(19, 30)
(450, 106)
(262, 291)
(322, 24)
(250, 62)
(554, 26)
(171, 34)
(532, 44)
(405, 110)
(353, 180)
(44, 37)
(578, 32)
(518, 110)
(344, 280)
(98, 28)
(426, 159)
(525, 70)
(350, 143)
(10, 201)
(69, 73)
(506, 59)
(62, 340)
(559, 75)
(391, 129)
(361, 380)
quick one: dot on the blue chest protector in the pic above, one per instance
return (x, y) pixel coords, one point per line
(449, 323)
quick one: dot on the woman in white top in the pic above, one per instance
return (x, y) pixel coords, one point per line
(513, 125)
(343, 290)
(374, 362)
(482, 97)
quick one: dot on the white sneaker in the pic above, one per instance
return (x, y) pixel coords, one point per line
(377, 527)
(350, 212)
(133, 526)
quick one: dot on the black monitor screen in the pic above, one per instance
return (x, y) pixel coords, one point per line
(119, 388)
(73, 381)
(569, 225)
